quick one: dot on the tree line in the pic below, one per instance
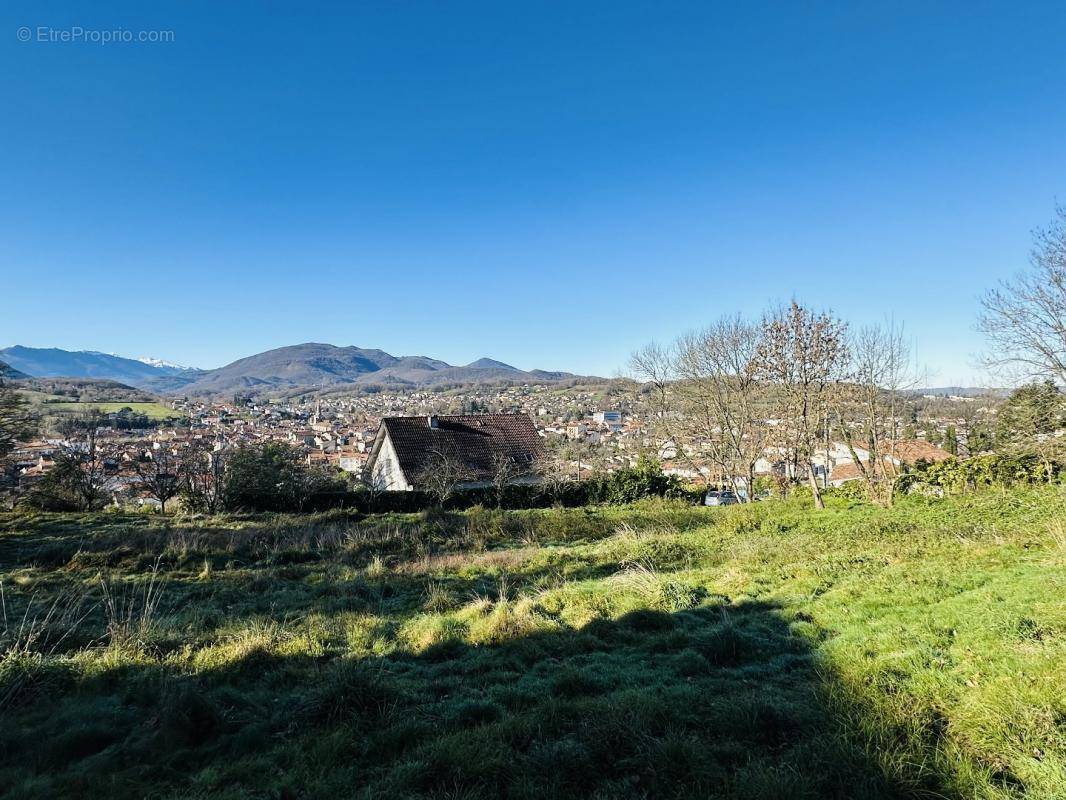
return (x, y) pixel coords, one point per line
(795, 379)
(786, 384)
(271, 476)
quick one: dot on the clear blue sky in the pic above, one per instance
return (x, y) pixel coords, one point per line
(550, 184)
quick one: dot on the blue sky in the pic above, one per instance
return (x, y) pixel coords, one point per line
(550, 184)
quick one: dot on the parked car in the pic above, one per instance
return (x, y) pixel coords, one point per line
(720, 497)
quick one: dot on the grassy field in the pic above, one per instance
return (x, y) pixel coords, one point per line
(150, 410)
(647, 651)
(40, 397)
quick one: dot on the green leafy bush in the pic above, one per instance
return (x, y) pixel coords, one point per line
(954, 475)
(273, 477)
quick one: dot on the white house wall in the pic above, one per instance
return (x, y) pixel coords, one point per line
(386, 473)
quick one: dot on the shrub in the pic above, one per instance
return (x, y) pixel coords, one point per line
(629, 485)
(954, 475)
(273, 477)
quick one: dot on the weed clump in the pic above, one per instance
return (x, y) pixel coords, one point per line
(351, 693)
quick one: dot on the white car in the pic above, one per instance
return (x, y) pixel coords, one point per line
(722, 497)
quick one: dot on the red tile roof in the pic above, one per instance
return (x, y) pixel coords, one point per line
(845, 472)
(910, 451)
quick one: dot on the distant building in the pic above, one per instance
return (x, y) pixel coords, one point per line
(607, 417)
(349, 459)
(576, 430)
(477, 444)
(895, 456)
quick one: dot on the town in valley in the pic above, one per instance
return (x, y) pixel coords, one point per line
(591, 427)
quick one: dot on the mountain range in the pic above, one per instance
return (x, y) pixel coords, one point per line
(40, 362)
(311, 365)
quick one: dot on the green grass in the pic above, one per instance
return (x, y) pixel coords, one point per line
(151, 410)
(648, 651)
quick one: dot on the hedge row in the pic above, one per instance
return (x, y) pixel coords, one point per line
(616, 488)
(955, 475)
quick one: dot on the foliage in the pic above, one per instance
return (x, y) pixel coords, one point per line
(627, 485)
(1032, 410)
(951, 440)
(56, 490)
(955, 476)
(980, 439)
(17, 422)
(636, 483)
(274, 477)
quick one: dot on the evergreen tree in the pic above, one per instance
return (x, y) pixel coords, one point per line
(951, 440)
(17, 421)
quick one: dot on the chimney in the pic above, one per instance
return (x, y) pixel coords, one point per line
(432, 420)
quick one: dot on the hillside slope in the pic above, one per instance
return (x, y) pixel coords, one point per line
(84, 390)
(645, 651)
(8, 372)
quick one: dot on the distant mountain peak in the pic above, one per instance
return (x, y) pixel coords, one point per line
(159, 362)
(491, 363)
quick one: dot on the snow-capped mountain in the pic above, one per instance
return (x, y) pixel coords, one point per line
(160, 363)
(151, 374)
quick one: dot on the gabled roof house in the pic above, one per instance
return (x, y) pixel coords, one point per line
(477, 444)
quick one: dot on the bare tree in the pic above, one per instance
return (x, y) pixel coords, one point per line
(721, 398)
(869, 414)
(158, 474)
(84, 466)
(203, 476)
(505, 470)
(1025, 319)
(804, 355)
(441, 473)
(552, 471)
(656, 367)
(373, 486)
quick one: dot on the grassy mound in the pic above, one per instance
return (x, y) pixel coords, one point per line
(648, 651)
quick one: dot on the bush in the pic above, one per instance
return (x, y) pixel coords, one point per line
(273, 477)
(953, 476)
(629, 485)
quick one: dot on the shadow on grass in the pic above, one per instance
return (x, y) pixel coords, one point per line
(715, 701)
